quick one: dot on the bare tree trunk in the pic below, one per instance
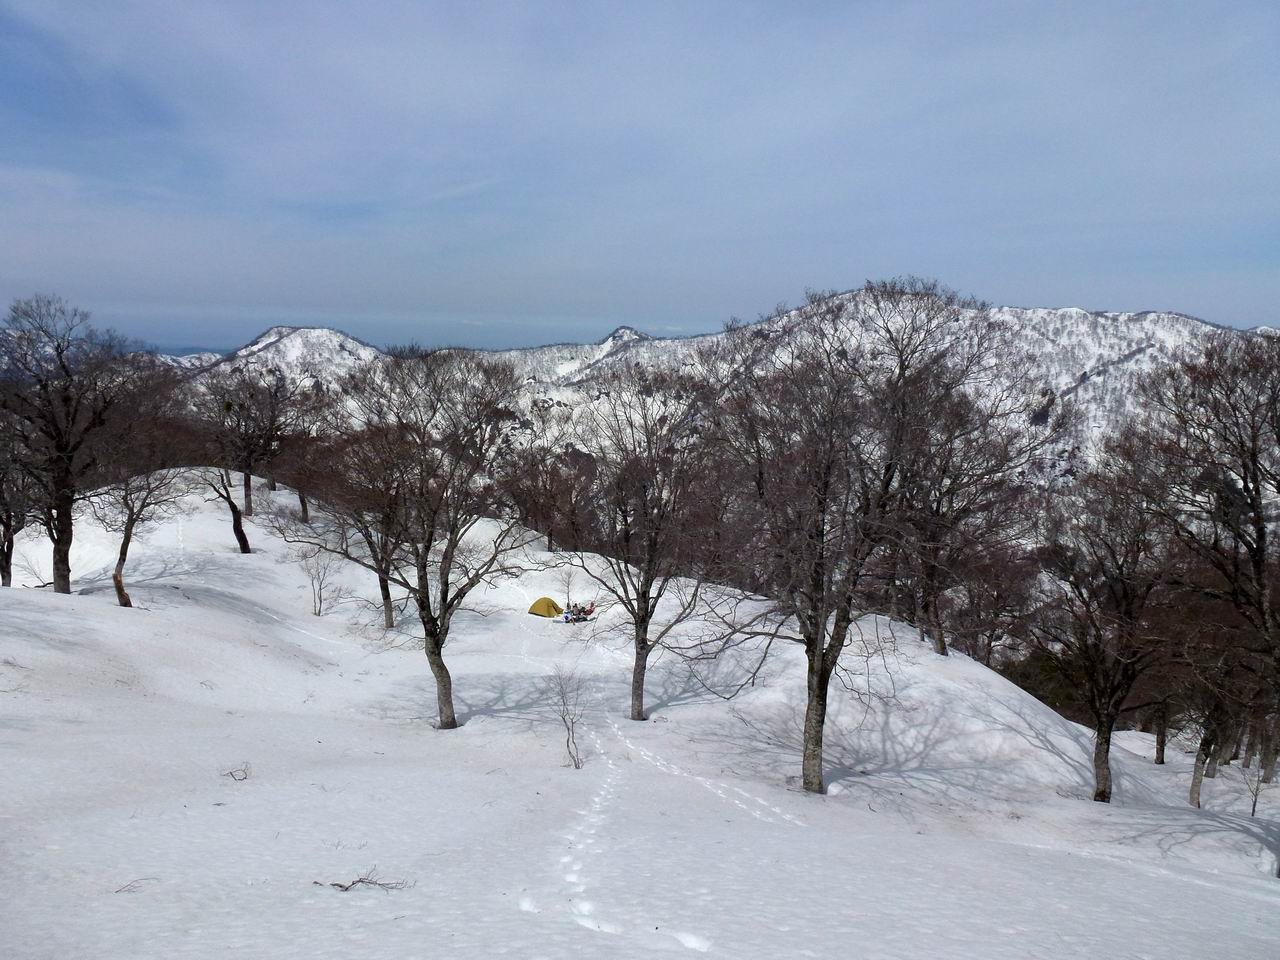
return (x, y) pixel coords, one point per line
(6, 558)
(237, 527)
(638, 671)
(444, 685)
(248, 494)
(388, 608)
(61, 534)
(939, 640)
(271, 482)
(1102, 759)
(433, 646)
(303, 507)
(1221, 755)
(117, 576)
(929, 610)
(1162, 731)
(1269, 749)
(1254, 732)
(815, 718)
(1197, 772)
(892, 584)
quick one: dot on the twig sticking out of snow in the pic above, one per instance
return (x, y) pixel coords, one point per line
(240, 773)
(370, 879)
(133, 886)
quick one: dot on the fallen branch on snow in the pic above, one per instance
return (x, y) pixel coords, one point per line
(370, 879)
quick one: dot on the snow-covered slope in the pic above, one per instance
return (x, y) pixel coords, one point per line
(568, 363)
(958, 824)
(191, 361)
(303, 353)
(1095, 358)
(310, 353)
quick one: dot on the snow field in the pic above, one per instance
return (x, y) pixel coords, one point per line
(958, 823)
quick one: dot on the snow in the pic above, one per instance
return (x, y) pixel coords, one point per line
(958, 823)
(1093, 358)
(313, 353)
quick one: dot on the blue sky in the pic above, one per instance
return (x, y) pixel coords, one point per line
(517, 173)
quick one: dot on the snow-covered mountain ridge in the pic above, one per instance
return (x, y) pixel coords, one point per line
(1093, 357)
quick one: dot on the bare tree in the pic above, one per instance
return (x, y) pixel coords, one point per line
(808, 423)
(249, 412)
(548, 476)
(643, 432)
(566, 693)
(1215, 474)
(219, 485)
(321, 567)
(983, 442)
(133, 502)
(875, 436)
(16, 499)
(143, 473)
(424, 430)
(66, 388)
(1108, 559)
(355, 464)
(989, 612)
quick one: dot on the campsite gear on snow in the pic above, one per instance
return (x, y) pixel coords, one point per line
(577, 613)
(546, 607)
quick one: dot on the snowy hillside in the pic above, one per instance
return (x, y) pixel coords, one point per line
(567, 363)
(1097, 358)
(304, 353)
(188, 778)
(191, 361)
(1093, 358)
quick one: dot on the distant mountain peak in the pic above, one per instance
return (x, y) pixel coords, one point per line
(624, 334)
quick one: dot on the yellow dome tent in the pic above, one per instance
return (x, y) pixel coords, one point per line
(546, 607)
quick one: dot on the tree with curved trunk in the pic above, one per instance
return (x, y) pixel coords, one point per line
(133, 502)
(415, 449)
(249, 413)
(220, 485)
(143, 473)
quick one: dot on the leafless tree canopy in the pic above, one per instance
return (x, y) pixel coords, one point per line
(67, 390)
(409, 491)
